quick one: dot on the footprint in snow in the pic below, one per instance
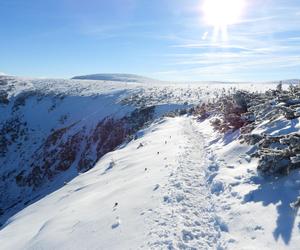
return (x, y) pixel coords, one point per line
(179, 198)
(109, 167)
(167, 199)
(117, 223)
(217, 187)
(187, 235)
(115, 206)
(258, 228)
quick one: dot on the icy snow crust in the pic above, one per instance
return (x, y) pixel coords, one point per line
(178, 185)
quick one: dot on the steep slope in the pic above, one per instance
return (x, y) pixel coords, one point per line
(114, 205)
(51, 130)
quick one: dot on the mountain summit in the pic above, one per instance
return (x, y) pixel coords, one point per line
(115, 78)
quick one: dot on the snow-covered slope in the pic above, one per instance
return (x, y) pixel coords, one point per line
(109, 205)
(53, 129)
(156, 193)
(154, 182)
(256, 212)
(50, 130)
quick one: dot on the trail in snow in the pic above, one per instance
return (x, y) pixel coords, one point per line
(187, 217)
(178, 185)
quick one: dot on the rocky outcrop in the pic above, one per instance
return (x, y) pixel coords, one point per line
(4, 98)
(229, 110)
(247, 111)
(12, 131)
(278, 154)
(110, 133)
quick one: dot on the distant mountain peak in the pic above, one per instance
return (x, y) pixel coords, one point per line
(115, 77)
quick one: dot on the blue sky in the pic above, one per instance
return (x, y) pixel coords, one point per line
(164, 39)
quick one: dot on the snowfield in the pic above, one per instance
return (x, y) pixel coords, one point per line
(179, 185)
(174, 184)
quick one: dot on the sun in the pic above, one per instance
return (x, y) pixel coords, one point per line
(222, 13)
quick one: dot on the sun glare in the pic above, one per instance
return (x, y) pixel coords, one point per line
(222, 13)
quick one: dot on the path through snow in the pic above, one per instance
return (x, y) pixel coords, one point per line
(178, 185)
(187, 217)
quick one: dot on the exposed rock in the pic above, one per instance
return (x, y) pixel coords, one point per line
(240, 100)
(251, 139)
(3, 97)
(274, 162)
(10, 132)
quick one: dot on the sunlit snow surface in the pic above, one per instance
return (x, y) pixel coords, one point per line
(179, 185)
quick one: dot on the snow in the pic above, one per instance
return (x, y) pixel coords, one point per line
(171, 92)
(187, 219)
(256, 211)
(178, 185)
(41, 119)
(84, 208)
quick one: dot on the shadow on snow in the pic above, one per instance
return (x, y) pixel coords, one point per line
(280, 192)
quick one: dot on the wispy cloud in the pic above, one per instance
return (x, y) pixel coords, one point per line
(107, 30)
(257, 20)
(265, 43)
(235, 70)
